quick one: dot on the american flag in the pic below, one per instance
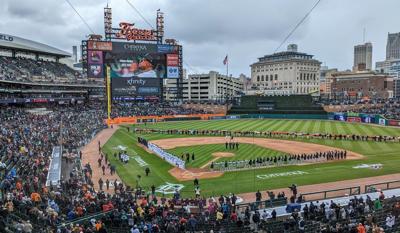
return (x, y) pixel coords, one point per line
(225, 60)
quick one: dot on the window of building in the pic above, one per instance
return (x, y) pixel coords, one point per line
(258, 78)
(276, 77)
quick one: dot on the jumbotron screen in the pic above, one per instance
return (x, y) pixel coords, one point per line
(136, 69)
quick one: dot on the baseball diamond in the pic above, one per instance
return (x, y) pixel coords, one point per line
(242, 181)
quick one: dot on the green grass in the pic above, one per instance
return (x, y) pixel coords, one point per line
(246, 181)
(306, 126)
(203, 153)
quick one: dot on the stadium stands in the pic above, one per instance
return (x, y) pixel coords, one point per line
(29, 70)
(389, 109)
(126, 109)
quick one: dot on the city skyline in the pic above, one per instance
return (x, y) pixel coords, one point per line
(239, 29)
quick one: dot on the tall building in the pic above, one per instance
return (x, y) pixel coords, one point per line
(204, 87)
(286, 73)
(75, 53)
(363, 57)
(326, 81)
(391, 65)
(393, 46)
(246, 82)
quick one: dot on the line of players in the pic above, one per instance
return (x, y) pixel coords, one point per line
(274, 134)
(281, 160)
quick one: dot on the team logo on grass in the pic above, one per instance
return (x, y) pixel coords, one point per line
(120, 147)
(140, 161)
(169, 188)
(374, 166)
(293, 173)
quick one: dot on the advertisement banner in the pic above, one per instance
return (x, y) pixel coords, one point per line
(95, 57)
(170, 158)
(353, 119)
(95, 71)
(172, 60)
(338, 116)
(100, 45)
(172, 72)
(367, 119)
(394, 123)
(382, 121)
(142, 48)
(162, 48)
(353, 114)
(135, 86)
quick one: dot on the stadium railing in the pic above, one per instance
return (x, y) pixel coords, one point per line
(86, 218)
(382, 186)
(271, 203)
(332, 193)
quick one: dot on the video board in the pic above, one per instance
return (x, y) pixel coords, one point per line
(136, 69)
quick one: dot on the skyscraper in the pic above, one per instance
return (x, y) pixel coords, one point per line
(362, 57)
(393, 46)
(75, 53)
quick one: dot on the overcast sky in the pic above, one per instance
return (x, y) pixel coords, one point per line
(210, 29)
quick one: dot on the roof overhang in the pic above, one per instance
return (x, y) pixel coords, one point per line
(18, 43)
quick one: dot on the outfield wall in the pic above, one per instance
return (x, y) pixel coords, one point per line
(363, 118)
(142, 119)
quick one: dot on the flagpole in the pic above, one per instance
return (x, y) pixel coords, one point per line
(227, 65)
(226, 80)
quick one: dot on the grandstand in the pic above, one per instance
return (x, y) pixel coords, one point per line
(32, 72)
(295, 104)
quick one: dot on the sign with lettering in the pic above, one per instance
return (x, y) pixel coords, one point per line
(6, 38)
(273, 175)
(129, 32)
(99, 45)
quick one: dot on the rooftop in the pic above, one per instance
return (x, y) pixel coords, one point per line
(18, 43)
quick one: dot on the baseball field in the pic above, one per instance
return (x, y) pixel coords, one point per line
(209, 149)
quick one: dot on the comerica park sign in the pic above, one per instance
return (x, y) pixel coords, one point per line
(129, 32)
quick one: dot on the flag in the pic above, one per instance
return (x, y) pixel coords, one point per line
(225, 60)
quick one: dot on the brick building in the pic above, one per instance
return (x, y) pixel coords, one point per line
(362, 85)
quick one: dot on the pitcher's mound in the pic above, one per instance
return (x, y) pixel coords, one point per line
(223, 154)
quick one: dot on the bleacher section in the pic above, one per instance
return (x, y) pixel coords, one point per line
(37, 71)
(298, 104)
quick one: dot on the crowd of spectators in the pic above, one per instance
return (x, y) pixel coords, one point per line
(389, 109)
(155, 108)
(38, 71)
(359, 215)
(26, 142)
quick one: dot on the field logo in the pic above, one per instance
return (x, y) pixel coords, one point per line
(374, 166)
(293, 173)
(140, 161)
(120, 147)
(169, 188)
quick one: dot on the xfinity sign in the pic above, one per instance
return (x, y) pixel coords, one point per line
(6, 38)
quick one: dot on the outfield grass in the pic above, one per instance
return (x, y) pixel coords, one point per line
(306, 126)
(203, 153)
(387, 154)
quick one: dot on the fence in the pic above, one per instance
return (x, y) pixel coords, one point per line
(86, 218)
(382, 186)
(262, 204)
(320, 195)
